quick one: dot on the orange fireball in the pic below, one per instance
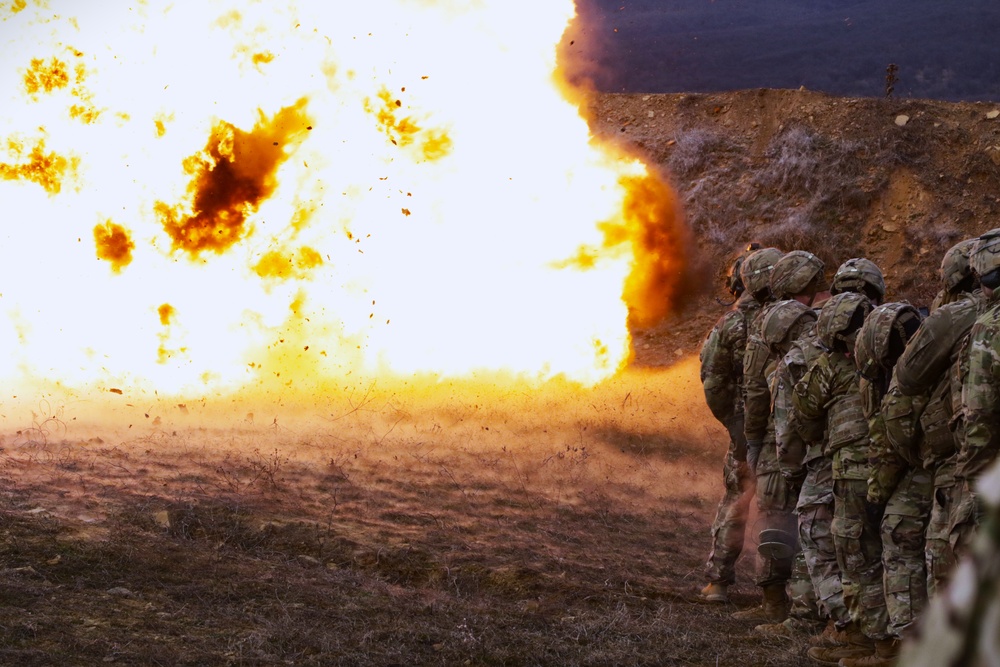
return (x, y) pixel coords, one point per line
(309, 192)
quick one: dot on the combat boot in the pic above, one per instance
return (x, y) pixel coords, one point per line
(715, 593)
(790, 627)
(773, 609)
(834, 636)
(859, 647)
(886, 654)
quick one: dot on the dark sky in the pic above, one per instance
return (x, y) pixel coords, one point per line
(943, 49)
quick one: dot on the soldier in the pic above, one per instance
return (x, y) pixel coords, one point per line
(797, 277)
(980, 393)
(962, 625)
(956, 275)
(828, 400)
(791, 324)
(899, 490)
(919, 410)
(808, 461)
(772, 572)
(722, 380)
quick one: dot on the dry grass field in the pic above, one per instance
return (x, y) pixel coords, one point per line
(449, 524)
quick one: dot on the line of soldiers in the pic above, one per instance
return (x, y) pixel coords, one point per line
(860, 427)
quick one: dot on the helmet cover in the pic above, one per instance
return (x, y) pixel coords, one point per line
(854, 274)
(756, 269)
(793, 273)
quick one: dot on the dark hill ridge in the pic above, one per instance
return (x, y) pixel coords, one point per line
(943, 50)
(897, 181)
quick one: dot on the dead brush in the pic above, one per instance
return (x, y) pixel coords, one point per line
(257, 470)
(698, 151)
(46, 424)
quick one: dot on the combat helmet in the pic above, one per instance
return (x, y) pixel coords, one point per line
(840, 320)
(985, 258)
(794, 273)
(859, 275)
(883, 338)
(734, 283)
(955, 268)
(786, 319)
(756, 271)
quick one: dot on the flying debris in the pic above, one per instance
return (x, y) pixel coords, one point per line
(281, 197)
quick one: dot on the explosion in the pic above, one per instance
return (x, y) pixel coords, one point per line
(202, 200)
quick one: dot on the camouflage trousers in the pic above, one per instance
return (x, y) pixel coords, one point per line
(815, 518)
(805, 605)
(905, 571)
(859, 554)
(730, 523)
(775, 511)
(962, 626)
(939, 552)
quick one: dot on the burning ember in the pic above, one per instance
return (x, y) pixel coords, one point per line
(277, 196)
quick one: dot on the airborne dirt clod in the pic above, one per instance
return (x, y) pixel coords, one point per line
(499, 526)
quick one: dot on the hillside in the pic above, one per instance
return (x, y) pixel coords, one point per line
(897, 181)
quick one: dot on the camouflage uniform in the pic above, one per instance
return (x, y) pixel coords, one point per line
(815, 581)
(721, 376)
(754, 274)
(980, 429)
(898, 484)
(961, 627)
(981, 422)
(775, 499)
(963, 623)
(919, 412)
(828, 398)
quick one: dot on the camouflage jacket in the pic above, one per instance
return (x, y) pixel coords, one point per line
(887, 464)
(758, 365)
(794, 452)
(980, 439)
(935, 348)
(960, 627)
(722, 360)
(921, 409)
(828, 398)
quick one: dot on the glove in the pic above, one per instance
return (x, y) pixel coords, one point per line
(873, 513)
(754, 448)
(735, 427)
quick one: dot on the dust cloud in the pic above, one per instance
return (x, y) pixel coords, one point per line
(641, 438)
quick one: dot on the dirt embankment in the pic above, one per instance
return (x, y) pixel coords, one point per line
(897, 181)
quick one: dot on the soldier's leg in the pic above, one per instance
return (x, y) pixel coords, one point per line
(820, 554)
(815, 519)
(805, 608)
(729, 527)
(854, 557)
(776, 509)
(859, 554)
(903, 527)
